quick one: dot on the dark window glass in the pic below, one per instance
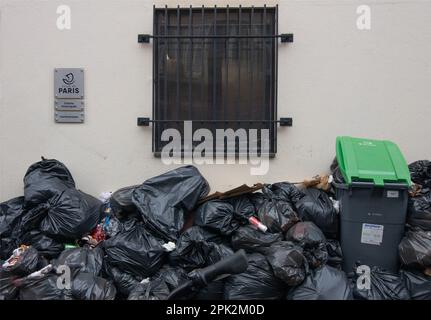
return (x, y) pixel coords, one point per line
(201, 77)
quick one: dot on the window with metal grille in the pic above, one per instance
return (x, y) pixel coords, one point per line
(216, 67)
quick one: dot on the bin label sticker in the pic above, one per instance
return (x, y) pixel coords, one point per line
(372, 234)
(393, 194)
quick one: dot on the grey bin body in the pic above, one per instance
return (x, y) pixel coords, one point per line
(369, 214)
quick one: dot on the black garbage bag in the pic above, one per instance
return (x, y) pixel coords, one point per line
(283, 191)
(46, 246)
(316, 207)
(420, 172)
(43, 287)
(415, 249)
(256, 283)
(124, 281)
(11, 212)
(325, 283)
(213, 291)
(7, 246)
(86, 286)
(287, 262)
(336, 172)
(277, 215)
(82, 259)
(384, 285)
(419, 212)
(312, 240)
(335, 255)
(418, 284)
(257, 199)
(156, 289)
(8, 290)
(243, 208)
(121, 202)
(135, 250)
(31, 219)
(217, 216)
(253, 240)
(71, 215)
(160, 285)
(24, 261)
(164, 200)
(195, 250)
(45, 179)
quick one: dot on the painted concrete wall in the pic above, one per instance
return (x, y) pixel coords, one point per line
(333, 80)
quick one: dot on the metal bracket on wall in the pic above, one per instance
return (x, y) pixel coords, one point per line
(284, 122)
(284, 37)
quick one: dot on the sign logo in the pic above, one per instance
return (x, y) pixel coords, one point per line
(69, 79)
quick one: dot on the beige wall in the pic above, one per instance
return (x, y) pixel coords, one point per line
(333, 80)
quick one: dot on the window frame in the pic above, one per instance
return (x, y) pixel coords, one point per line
(271, 122)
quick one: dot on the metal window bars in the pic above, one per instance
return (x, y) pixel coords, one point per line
(215, 67)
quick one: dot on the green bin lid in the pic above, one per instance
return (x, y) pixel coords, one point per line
(379, 161)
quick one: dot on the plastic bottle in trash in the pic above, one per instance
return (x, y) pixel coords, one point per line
(255, 222)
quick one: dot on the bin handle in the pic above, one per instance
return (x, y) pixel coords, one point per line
(387, 185)
(360, 184)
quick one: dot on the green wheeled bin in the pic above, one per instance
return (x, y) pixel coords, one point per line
(373, 202)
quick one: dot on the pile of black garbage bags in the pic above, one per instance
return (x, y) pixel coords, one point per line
(142, 242)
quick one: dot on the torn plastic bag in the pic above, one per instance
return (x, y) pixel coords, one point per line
(46, 246)
(195, 250)
(316, 207)
(124, 282)
(160, 285)
(121, 202)
(135, 250)
(312, 240)
(418, 284)
(287, 262)
(253, 240)
(71, 215)
(45, 179)
(243, 208)
(415, 249)
(112, 226)
(325, 283)
(43, 285)
(256, 283)
(335, 255)
(283, 191)
(8, 290)
(81, 259)
(420, 172)
(23, 261)
(86, 286)
(11, 212)
(164, 200)
(419, 212)
(277, 215)
(384, 285)
(216, 216)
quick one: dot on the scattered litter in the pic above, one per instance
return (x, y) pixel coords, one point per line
(143, 242)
